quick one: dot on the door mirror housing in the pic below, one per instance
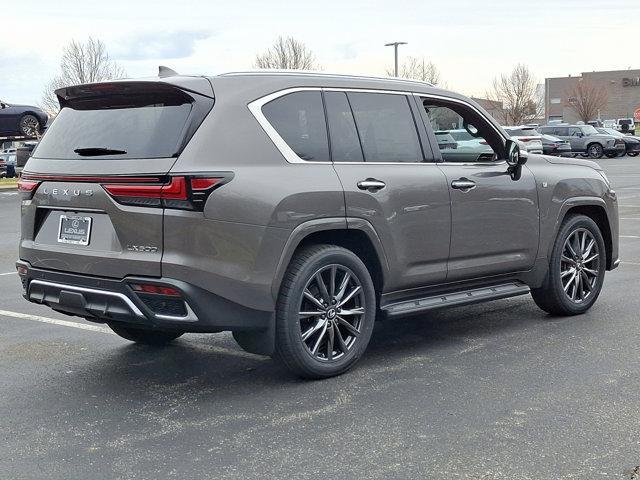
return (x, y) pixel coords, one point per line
(515, 156)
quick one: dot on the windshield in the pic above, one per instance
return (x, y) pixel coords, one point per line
(145, 125)
(625, 121)
(589, 130)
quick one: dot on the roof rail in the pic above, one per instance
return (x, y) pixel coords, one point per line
(310, 73)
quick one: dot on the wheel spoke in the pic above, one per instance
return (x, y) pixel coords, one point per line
(331, 332)
(338, 336)
(570, 282)
(352, 330)
(588, 249)
(310, 314)
(586, 282)
(323, 288)
(583, 242)
(343, 286)
(566, 259)
(332, 280)
(350, 296)
(579, 287)
(591, 272)
(313, 299)
(353, 311)
(319, 324)
(567, 272)
(570, 248)
(314, 350)
(591, 258)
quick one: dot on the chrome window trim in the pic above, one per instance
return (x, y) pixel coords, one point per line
(255, 107)
(107, 293)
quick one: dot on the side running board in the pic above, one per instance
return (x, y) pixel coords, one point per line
(460, 297)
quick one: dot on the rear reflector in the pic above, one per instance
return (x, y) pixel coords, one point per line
(155, 289)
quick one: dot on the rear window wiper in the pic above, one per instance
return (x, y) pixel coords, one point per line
(97, 151)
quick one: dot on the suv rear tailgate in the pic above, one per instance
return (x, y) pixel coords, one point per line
(91, 191)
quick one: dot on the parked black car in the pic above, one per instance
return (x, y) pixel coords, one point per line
(631, 143)
(21, 120)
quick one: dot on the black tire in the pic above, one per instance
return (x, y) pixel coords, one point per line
(632, 154)
(29, 125)
(553, 297)
(146, 337)
(327, 325)
(595, 150)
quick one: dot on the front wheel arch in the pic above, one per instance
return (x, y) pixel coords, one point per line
(598, 214)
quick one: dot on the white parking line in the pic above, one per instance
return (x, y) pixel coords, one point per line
(107, 330)
(629, 236)
(54, 321)
(8, 273)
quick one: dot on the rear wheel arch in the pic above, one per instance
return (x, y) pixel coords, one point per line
(359, 237)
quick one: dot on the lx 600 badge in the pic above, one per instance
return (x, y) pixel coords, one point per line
(142, 248)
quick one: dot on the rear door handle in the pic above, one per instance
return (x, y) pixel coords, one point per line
(371, 184)
(463, 184)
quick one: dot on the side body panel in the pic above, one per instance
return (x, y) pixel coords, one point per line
(411, 216)
(495, 226)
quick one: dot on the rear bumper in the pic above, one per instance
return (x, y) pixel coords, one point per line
(108, 300)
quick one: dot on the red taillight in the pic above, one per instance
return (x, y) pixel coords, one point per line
(204, 183)
(176, 189)
(181, 191)
(27, 186)
(155, 289)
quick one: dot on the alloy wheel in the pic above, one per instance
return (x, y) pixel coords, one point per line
(29, 125)
(595, 151)
(580, 265)
(331, 312)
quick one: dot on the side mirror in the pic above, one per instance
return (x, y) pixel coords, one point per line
(515, 156)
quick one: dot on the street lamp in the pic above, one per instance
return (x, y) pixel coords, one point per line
(395, 53)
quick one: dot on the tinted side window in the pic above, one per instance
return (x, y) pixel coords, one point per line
(562, 131)
(299, 119)
(345, 144)
(386, 127)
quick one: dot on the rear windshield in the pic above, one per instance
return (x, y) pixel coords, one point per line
(119, 126)
(523, 132)
(625, 121)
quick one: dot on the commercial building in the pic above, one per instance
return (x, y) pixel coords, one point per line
(622, 88)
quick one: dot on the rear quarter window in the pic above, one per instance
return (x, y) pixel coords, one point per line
(299, 119)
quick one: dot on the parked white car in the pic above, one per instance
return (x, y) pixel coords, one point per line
(527, 137)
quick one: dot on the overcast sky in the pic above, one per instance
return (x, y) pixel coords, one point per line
(470, 41)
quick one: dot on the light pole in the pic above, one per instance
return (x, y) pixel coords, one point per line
(395, 54)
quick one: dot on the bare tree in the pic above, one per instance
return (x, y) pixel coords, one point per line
(287, 54)
(81, 63)
(586, 99)
(418, 69)
(519, 96)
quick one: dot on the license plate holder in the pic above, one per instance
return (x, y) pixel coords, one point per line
(74, 229)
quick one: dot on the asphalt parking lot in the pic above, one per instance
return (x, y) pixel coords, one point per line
(496, 391)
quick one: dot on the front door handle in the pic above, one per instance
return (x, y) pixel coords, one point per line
(463, 184)
(371, 184)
